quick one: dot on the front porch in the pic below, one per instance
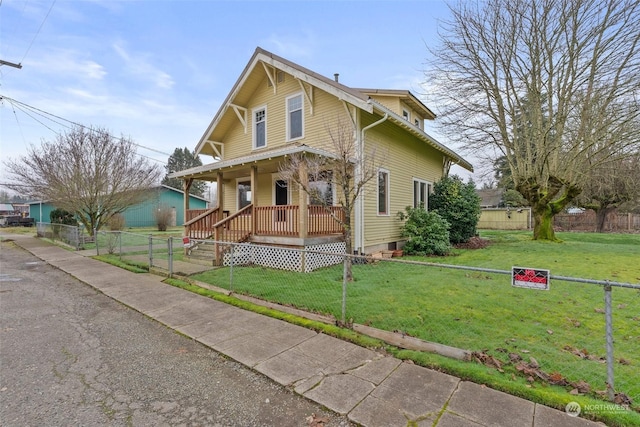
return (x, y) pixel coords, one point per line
(281, 225)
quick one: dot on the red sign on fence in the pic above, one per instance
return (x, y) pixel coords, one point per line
(524, 277)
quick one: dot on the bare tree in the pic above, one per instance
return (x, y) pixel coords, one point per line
(542, 83)
(611, 186)
(86, 172)
(345, 166)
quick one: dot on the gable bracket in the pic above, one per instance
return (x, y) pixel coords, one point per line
(218, 148)
(241, 112)
(307, 94)
(351, 112)
(271, 75)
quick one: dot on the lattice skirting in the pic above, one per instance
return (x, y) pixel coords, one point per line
(286, 258)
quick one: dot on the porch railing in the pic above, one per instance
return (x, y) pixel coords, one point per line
(282, 220)
(236, 227)
(200, 222)
(322, 221)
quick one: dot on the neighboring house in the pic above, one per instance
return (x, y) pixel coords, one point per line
(278, 108)
(140, 215)
(491, 197)
(7, 209)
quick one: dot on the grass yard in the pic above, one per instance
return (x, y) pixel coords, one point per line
(563, 329)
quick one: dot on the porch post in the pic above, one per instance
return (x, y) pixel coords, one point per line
(186, 186)
(302, 200)
(220, 196)
(254, 197)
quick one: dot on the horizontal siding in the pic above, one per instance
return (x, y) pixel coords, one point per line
(326, 109)
(406, 158)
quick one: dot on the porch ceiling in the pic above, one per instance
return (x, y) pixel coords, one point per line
(267, 161)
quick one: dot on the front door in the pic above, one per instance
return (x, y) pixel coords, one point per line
(281, 191)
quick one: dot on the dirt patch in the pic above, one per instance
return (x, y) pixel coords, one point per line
(473, 243)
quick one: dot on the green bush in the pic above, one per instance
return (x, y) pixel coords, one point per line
(60, 216)
(427, 232)
(459, 204)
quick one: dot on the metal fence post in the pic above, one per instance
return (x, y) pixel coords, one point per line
(120, 249)
(150, 251)
(95, 239)
(170, 243)
(344, 290)
(609, 332)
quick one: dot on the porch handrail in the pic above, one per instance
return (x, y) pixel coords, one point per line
(206, 213)
(231, 217)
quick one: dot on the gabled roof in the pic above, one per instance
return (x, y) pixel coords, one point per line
(409, 98)
(358, 97)
(339, 90)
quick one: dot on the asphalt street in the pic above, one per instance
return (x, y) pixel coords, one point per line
(71, 356)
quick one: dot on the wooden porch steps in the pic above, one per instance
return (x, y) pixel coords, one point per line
(203, 253)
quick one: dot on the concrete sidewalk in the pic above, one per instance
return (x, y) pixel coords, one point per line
(371, 389)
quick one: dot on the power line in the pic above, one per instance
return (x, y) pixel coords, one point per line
(22, 106)
(39, 29)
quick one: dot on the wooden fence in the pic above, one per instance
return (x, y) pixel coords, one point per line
(586, 221)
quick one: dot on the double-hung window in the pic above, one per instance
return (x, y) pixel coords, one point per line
(295, 119)
(260, 127)
(421, 190)
(383, 192)
(321, 189)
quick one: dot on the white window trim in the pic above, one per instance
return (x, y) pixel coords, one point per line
(239, 180)
(301, 95)
(387, 195)
(408, 118)
(254, 133)
(428, 184)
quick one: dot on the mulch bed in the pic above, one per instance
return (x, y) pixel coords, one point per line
(473, 243)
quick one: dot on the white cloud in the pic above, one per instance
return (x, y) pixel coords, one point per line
(67, 64)
(140, 66)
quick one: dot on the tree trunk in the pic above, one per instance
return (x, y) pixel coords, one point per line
(545, 204)
(543, 223)
(346, 232)
(601, 218)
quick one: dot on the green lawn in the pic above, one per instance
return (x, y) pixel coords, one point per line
(482, 312)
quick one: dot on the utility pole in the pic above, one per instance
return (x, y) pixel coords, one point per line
(10, 64)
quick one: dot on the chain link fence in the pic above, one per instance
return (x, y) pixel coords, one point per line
(68, 234)
(577, 333)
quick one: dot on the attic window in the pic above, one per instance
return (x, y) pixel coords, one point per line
(417, 122)
(405, 115)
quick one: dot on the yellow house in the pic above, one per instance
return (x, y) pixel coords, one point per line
(278, 109)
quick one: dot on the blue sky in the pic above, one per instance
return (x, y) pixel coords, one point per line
(157, 71)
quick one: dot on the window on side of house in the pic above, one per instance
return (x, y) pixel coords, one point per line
(383, 192)
(406, 115)
(421, 190)
(321, 190)
(260, 127)
(295, 118)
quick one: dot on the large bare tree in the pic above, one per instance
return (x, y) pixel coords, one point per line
(543, 83)
(87, 172)
(348, 168)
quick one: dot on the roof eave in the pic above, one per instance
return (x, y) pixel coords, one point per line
(455, 157)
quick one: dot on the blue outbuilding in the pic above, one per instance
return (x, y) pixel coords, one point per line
(140, 215)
